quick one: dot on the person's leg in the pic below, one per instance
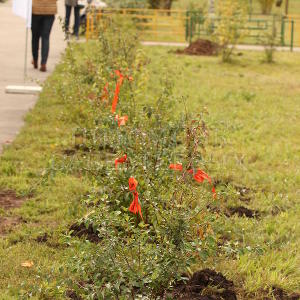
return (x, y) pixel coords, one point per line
(46, 30)
(67, 20)
(35, 30)
(77, 20)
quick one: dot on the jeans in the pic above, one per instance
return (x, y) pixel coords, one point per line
(76, 17)
(41, 29)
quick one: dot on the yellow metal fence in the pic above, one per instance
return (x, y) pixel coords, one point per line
(293, 29)
(173, 25)
(153, 24)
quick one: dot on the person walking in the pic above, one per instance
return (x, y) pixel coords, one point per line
(69, 5)
(43, 15)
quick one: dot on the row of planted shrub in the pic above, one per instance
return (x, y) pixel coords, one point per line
(150, 192)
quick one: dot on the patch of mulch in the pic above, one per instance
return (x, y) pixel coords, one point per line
(280, 294)
(204, 285)
(8, 223)
(81, 231)
(242, 211)
(9, 200)
(200, 47)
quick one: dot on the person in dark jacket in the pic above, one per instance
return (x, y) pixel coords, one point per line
(69, 5)
(43, 15)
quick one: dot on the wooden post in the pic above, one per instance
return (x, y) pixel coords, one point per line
(286, 7)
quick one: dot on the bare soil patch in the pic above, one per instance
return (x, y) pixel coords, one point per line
(8, 223)
(205, 285)
(9, 200)
(81, 231)
(242, 211)
(200, 47)
(280, 294)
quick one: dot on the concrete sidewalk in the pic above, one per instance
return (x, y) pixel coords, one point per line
(238, 47)
(12, 53)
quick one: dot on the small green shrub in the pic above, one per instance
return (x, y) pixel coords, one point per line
(231, 15)
(139, 255)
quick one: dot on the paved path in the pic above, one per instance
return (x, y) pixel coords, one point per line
(239, 47)
(12, 45)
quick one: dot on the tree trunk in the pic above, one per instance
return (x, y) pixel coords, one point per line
(167, 4)
(154, 3)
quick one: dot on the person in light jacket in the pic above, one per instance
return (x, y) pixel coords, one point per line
(43, 15)
(69, 4)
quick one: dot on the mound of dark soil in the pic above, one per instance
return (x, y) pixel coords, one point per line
(242, 211)
(205, 285)
(280, 294)
(81, 231)
(9, 200)
(43, 238)
(200, 47)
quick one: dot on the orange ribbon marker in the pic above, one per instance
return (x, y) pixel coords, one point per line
(132, 184)
(117, 90)
(120, 160)
(135, 206)
(121, 120)
(199, 176)
(176, 167)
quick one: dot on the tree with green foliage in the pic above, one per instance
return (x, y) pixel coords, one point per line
(229, 29)
(155, 4)
(127, 3)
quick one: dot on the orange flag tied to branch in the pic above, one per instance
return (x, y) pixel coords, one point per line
(121, 120)
(118, 88)
(199, 176)
(120, 160)
(135, 206)
(176, 167)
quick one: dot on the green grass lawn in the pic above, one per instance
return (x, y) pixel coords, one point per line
(253, 114)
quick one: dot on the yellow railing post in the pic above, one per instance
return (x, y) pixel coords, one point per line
(156, 23)
(87, 28)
